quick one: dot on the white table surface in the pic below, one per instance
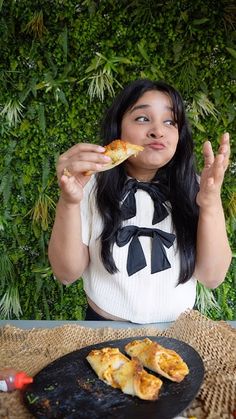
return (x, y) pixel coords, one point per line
(45, 324)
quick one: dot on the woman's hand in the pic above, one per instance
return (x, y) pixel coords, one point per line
(73, 164)
(213, 173)
(213, 253)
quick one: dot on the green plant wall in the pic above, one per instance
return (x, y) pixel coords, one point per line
(61, 62)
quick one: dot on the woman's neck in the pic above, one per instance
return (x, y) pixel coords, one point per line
(141, 176)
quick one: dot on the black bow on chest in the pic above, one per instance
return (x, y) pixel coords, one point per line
(136, 259)
(128, 206)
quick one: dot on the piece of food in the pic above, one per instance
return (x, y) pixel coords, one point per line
(118, 371)
(119, 151)
(132, 379)
(165, 362)
(106, 360)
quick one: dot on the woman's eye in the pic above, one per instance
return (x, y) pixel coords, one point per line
(141, 119)
(170, 122)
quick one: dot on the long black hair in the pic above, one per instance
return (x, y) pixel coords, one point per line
(178, 178)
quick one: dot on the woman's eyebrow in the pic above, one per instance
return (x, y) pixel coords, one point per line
(139, 107)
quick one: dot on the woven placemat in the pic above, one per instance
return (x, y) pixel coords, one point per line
(32, 350)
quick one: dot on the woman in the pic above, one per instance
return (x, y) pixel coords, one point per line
(143, 233)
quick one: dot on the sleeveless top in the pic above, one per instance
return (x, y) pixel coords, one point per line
(144, 290)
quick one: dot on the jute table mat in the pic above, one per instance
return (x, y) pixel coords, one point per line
(32, 350)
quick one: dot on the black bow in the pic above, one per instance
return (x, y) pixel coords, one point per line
(136, 259)
(128, 206)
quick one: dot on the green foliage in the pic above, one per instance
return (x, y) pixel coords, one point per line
(100, 73)
(61, 63)
(206, 301)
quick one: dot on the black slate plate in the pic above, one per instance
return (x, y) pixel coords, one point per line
(69, 388)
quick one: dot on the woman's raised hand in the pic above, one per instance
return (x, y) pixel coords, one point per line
(212, 175)
(71, 168)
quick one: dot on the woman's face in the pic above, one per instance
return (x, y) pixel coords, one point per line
(150, 123)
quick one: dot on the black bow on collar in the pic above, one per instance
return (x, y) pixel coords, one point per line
(128, 206)
(136, 259)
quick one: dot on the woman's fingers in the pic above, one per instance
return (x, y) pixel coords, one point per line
(213, 173)
(81, 161)
(218, 169)
(82, 147)
(208, 154)
(221, 160)
(80, 167)
(76, 162)
(224, 149)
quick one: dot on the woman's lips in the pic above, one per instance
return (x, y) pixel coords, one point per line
(156, 146)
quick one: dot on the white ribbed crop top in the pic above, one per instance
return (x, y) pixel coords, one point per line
(142, 297)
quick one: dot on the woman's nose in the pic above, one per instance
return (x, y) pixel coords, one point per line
(155, 132)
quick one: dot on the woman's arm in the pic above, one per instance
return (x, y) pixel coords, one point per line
(68, 255)
(213, 251)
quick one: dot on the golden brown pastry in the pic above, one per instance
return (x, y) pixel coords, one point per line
(119, 151)
(165, 362)
(104, 361)
(132, 379)
(116, 370)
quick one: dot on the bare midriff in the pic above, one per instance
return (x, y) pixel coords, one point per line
(102, 312)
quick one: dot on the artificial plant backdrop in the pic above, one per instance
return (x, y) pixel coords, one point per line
(61, 63)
